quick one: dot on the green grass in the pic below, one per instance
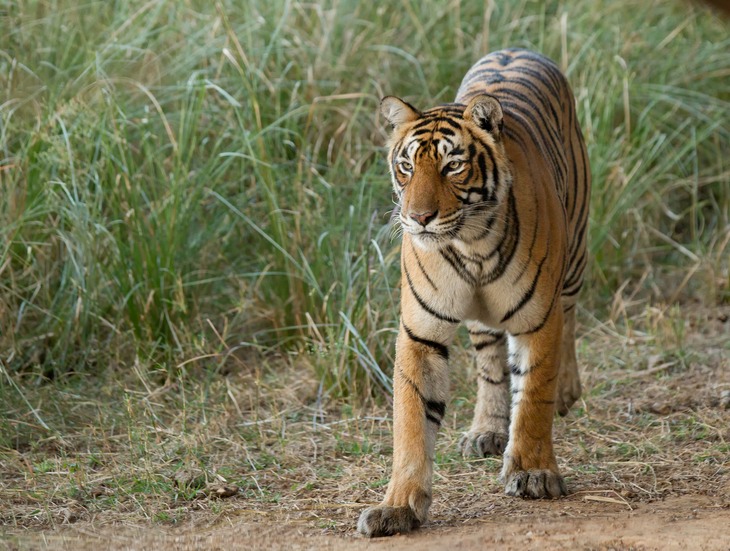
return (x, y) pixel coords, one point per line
(189, 187)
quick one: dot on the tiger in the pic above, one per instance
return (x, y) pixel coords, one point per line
(492, 196)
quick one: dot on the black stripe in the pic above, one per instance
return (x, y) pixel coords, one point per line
(508, 246)
(446, 138)
(495, 169)
(524, 111)
(490, 332)
(481, 163)
(550, 68)
(528, 100)
(539, 77)
(489, 222)
(547, 142)
(474, 189)
(571, 292)
(420, 266)
(488, 379)
(452, 123)
(441, 349)
(543, 321)
(573, 160)
(482, 345)
(583, 221)
(519, 140)
(530, 255)
(423, 124)
(423, 304)
(544, 98)
(469, 176)
(576, 278)
(429, 120)
(457, 264)
(548, 75)
(439, 408)
(576, 271)
(451, 107)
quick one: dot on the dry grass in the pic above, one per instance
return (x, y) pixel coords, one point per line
(197, 280)
(653, 424)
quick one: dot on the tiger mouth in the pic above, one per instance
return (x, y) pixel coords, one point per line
(425, 234)
(437, 234)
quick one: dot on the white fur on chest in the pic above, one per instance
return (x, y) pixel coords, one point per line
(453, 284)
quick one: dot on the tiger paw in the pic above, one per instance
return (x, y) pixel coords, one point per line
(535, 484)
(482, 444)
(381, 521)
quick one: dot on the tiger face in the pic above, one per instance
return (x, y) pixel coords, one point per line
(448, 167)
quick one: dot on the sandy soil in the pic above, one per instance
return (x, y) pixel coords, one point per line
(577, 522)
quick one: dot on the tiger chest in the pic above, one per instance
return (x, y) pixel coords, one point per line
(444, 284)
(456, 283)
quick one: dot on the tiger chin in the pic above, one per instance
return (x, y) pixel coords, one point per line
(492, 194)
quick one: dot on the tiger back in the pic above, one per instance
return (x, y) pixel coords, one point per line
(493, 196)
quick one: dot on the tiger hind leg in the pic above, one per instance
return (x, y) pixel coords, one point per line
(569, 387)
(489, 430)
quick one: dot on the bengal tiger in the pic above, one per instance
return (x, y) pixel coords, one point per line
(492, 193)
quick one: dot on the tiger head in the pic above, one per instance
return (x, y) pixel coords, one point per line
(448, 165)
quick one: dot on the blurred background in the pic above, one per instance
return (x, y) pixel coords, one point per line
(201, 186)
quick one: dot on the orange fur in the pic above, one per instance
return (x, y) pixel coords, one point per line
(493, 193)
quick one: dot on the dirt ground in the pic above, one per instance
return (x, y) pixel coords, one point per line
(577, 522)
(645, 453)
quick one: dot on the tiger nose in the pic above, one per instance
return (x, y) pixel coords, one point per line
(423, 218)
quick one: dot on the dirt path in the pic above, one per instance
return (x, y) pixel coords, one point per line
(692, 522)
(645, 455)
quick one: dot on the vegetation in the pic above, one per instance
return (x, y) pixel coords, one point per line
(193, 197)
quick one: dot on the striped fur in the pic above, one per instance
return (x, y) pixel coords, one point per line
(493, 201)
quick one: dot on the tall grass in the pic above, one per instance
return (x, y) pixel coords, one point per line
(181, 180)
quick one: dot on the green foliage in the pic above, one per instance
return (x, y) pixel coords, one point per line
(181, 180)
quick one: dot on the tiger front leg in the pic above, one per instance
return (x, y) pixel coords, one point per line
(489, 429)
(530, 469)
(420, 392)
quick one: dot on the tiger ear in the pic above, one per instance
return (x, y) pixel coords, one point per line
(486, 112)
(397, 112)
